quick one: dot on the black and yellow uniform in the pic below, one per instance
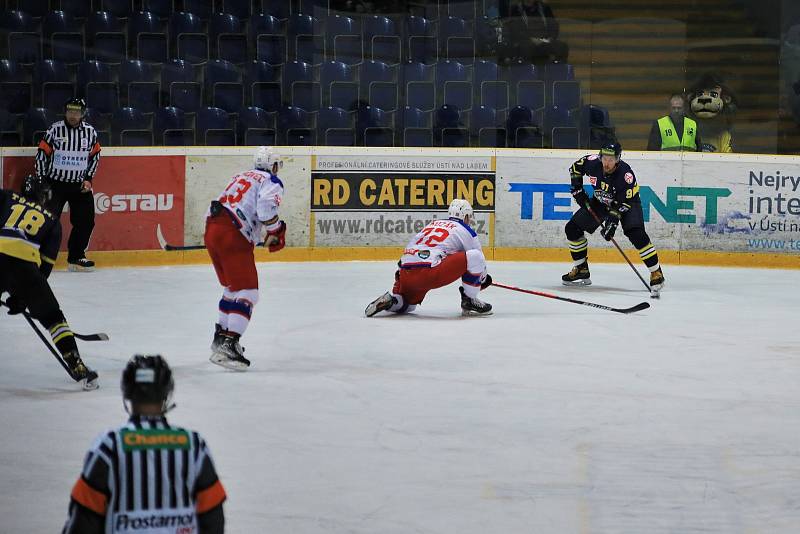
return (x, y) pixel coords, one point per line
(29, 239)
(615, 200)
(147, 476)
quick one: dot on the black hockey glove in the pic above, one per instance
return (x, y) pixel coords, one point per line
(608, 228)
(486, 281)
(580, 196)
(15, 305)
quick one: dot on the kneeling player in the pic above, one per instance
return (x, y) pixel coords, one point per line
(29, 241)
(235, 223)
(440, 254)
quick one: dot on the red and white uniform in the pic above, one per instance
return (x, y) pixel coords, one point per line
(440, 254)
(250, 199)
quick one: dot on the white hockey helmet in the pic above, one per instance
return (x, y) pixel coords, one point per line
(460, 209)
(264, 159)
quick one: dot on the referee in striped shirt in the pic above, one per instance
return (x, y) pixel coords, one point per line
(147, 476)
(67, 158)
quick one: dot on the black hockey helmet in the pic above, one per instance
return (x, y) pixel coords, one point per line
(36, 189)
(147, 379)
(75, 103)
(611, 148)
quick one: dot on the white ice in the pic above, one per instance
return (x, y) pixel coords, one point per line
(547, 417)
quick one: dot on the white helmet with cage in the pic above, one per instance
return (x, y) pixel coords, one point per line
(265, 160)
(460, 209)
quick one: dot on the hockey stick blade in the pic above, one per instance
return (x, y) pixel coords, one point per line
(166, 246)
(639, 307)
(99, 336)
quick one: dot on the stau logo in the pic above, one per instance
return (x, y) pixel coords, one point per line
(120, 203)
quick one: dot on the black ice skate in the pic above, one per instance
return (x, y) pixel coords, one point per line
(230, 354)
(656, 280)
(473, 306)
(578, 276)
(382, 303)
(79, 372)
(218, 336)
(81, 265)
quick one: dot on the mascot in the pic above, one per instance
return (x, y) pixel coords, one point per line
(713, 105)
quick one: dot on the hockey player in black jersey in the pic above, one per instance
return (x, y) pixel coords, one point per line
(147, 475)
(616, 199)
(29, 239)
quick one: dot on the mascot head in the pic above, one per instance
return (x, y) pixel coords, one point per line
(709, 97)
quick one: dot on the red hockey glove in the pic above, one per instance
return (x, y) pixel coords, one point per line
(276, 239)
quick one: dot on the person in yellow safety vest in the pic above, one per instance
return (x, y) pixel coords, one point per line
(675, 131)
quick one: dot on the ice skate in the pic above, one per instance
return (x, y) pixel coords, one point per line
(578, 276)
(230, 354)
(81, 265)
(656, 280)
(382, 303)
(218, 336)
(473, 306)
(84, 376)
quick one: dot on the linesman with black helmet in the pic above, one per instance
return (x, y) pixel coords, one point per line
(147, 476)
(615, 200)
(67, 158)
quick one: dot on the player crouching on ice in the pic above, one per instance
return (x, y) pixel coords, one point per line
(235, 223)
(30, 235)
(440, 254)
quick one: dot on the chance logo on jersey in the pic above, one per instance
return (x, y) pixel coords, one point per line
(137, 440)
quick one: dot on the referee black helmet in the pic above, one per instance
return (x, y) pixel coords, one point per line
(147, 379)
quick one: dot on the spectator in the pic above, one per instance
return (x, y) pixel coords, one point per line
(531, 33)
(675, 131)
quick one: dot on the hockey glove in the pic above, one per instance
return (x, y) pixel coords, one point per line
(486, 281)
(609, 226)
(580, 196)
(276, 239)
(15, 305)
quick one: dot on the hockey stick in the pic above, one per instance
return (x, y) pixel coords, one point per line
(46, 341)
(639, 307)
(166, 246)
(596, 218)
(100, 336)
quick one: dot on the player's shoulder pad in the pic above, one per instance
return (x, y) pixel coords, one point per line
(276, 180)
(465, 225)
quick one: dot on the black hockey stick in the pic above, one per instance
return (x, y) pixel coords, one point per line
(100, 336)
(166, 246)
(596, 218)
(639, 307)
(46, 341)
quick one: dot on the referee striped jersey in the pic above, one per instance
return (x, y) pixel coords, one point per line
(68, 154)
(147, 477)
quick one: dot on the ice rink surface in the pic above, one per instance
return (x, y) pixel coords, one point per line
(546, 417)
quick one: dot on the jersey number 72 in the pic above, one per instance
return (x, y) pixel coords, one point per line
(434, 235)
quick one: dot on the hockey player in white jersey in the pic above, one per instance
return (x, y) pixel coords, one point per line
(440, 254)
(235, 223)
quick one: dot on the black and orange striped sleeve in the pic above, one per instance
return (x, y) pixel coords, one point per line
(94, 156)
(89, 499)
(209, 495)
(44, 154)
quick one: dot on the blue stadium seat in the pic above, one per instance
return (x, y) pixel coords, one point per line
(448, 127)
(223, 83)
(339, 88)
(269, 37)
(556, 117)
(378, 82)
(334, 127)
(295, 127)
(318, 8)
(567, 94)
(338, 25)
(595, 126)
(80, 9)
(300, 86)
(161, 8)
(262, 85)
(179, 86)
(452, 82)
(492, 91)
(63, 37)
(523, 132)
(459, 8)
(213, 127)
(421, 41)
(374, 127)
(9, 132)
(276, 8)
(457, 41)
(23, 37)
(382, 40)
(137, 82)
(264, 23)
(523, 72)
(256, 127)
(104, 37)
(304, 36)
(565, 137)
(559, 72)
(131, 128)
(485, 36)
(240, 8)
(416, 127)
(484, 126)
(118, 8)
(420, 89)
(416, 118)
(169, 128)
(101, 123)
(146, 32)
(54, 83)
(188, 37)
(35, 124)
(200, 8)
(97, 83)
(16, 93)
(228, 40)
(531, 94)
